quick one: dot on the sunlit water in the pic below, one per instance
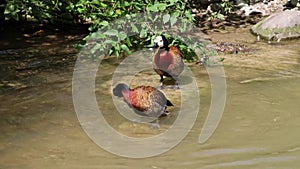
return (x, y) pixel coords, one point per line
(259, 128)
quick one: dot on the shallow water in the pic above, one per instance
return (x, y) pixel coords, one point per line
(259, 127)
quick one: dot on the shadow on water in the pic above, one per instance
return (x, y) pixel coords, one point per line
(259, 128)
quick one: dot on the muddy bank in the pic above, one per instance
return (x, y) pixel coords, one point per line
(28, 49)
(275, 58)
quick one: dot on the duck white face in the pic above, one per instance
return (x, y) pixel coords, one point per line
(159, 41)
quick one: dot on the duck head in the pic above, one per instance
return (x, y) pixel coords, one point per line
(161, 42)
(117, 91)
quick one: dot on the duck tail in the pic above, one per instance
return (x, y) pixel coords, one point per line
(169, 103)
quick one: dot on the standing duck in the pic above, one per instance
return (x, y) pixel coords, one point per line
(167, 61)
(144, 100)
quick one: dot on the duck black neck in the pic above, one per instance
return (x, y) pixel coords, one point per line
(166, 44)
(165, 48)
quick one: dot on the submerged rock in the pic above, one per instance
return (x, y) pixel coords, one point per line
(281, 25)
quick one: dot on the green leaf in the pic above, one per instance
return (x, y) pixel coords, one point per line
(118, 11)
(183, 27)
(173, 20)
(148, 38)
(102, 4)
(188, 15)
(111, 12)
(9, 8)
(111, 32)
(134, 28)
(127, 16)
(137, 7)
(103, 23)
(143, 33)
(15, 16)
(182, 46)
(111, 51)
(80, 10)
(173, 1)
(122, 35)
(117, 47)
(97, 35)
(221, 59)
(161, 6)
(125, 48)
(166, 18)
(96, 2)
(176, 14)
(220, 16)
(128, 42)
(95, 48)
(110, 42)
(152, 8)
(126, 4)
(6, 12)
(117, 53)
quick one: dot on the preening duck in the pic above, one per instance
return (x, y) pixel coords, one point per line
(144, 100)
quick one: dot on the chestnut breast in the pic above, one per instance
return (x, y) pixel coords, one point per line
(169, 61)
(163, 59)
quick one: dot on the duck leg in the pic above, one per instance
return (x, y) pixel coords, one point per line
(155, 125)
(165, 113)
(161, 82)
(175, 87)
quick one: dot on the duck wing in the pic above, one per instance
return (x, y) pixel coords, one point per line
(146, 101)
(158, 103)
(177, 65)
(137, 98)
